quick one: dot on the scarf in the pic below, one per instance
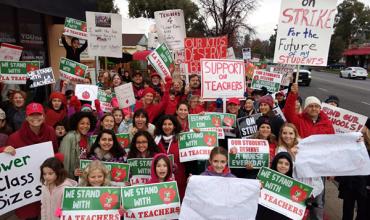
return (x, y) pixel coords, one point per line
(167, 139)
(29, 137)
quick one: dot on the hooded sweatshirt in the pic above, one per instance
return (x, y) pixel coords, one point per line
(211, 172)
(53, 116)
(153, 175)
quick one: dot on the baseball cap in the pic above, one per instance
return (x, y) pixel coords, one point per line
(233, 101)
(34, 108)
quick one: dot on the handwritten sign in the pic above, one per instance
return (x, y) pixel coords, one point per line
(125, 95)
(15, 72)
(104, 34)
(271, 81)
(304, 31)
(245, 151)
(344, 121)
(171, 28)
(41, 77)
(198, 48)
(161, 60)
(71, 70)
(247, 125)
(222, 78)
(75, 28)
(10, 52)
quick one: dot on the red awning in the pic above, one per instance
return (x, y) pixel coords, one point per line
(141, 55)
(357, 51)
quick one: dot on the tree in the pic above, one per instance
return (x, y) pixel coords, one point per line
(272, 40)
(107, 6)
(227, 17)
(146, 8)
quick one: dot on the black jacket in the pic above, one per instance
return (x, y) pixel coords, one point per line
(73, 54)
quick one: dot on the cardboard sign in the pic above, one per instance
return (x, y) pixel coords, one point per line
(287, 71)
(247, 125)
(198, 48)
(71, 70)
(119, 172)
(283, 194)
(208, 196)
(41, 77)
(324, 155)
(161, 60)
(105, 100)
(151, 201)
(271, 81)
(304, 32)
(91, 203)
(86, 92)
(15, 72)
(170, 26)
(10, 52)
(344, 121)
(222, 79)
(196, 146)
(104, 34)
(75, 28)
(20, 175)
(125, 95)
(245, 151)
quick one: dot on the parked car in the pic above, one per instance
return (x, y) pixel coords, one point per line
(354, 72)
(304, 77)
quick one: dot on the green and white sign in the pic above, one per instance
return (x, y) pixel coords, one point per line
(92, 139)
(271, 81)
(140, 169)
(91, 203)
(151, 201)
(248, 151)
(75, 28)
(197, 146)
(162, 61)
(105, 100)
(119, 172)
(15, 72)
(227, 119)
(124, 140)
(283, 194)
(207, 122)
(71, 70)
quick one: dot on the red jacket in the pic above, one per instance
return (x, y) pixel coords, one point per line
(24, 137)
(52, 116)
(180, 175)
(306, 127)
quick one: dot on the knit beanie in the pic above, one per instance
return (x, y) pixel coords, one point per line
(262, 120)
(311, 100)
(58, 95)
(149, 90)
(267, 99)
(332, 98)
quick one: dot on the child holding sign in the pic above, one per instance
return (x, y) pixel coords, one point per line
(95, 174)
(161, 169)
(54, 180)
(218, 164)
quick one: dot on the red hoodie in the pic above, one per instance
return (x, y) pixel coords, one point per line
(153, 175)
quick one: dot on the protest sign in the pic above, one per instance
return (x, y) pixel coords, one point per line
(41, 77)
(198, 48)
(20, 175)
(119, 172)
(230, 53)
(207, 122)
(104, 34)
(197, 146)
(277, 111)
(105, 100)
(207, 196)
(343, 120)
(86, 92)
(222, 78)
(247, 125)
(304, 31)
(287, 71)
(124, 140)
(71, 70)
(151, 201)
(125, 95)
(75, 28)
(247, 53)
(271, 81)
(15, 72)
(227, 119)
(283, 194)
(248, 151)
(170, 26)
(91, 203)
(161, 60)
(10, 52)
(325, 155)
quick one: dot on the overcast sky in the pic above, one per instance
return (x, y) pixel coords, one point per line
(264, 19)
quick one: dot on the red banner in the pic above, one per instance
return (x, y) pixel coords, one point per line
(198, 48)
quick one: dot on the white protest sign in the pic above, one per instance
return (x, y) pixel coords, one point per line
(343, 120)
(325, 155)
(86, 92)
(125, 95)
(104, 34)
(304, 31)
(20, 175)
(171, 28)
(41, 77)
(278, 112)
(10, 52)
(230, 53)
(287, 71)
(222, 78)
(207, 196)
